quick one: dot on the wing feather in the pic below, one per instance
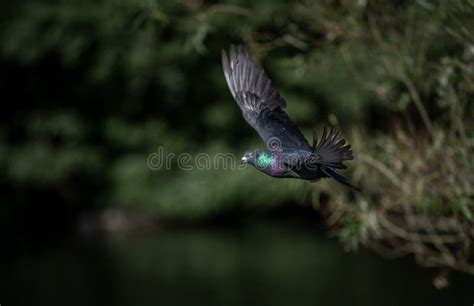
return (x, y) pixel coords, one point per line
(331, 149)
(259, 101)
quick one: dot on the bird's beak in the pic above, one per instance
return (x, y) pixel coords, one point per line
(243, 160)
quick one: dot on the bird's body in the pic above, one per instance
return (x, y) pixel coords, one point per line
(288, 153)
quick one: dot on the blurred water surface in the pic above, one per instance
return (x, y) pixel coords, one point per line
(264, 263)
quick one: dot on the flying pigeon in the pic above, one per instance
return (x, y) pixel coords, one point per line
(288, 153)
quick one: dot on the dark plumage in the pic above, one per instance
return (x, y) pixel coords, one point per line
(288, 153)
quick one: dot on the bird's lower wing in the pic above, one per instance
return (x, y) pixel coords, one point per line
(331, 150)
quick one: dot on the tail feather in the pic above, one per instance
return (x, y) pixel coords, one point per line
(341, 179)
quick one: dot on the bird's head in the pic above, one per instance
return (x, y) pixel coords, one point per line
(258, 158)
(250, 157)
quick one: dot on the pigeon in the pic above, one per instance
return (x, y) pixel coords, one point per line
(288, 153)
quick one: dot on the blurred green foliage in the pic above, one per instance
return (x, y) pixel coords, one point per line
(92, 88)
(261, 263)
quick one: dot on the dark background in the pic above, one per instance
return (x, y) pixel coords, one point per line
(90, 89)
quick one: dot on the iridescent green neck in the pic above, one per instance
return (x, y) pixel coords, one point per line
(265, 159)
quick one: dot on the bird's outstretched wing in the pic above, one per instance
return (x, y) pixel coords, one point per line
(330, 150)
(261, 105)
